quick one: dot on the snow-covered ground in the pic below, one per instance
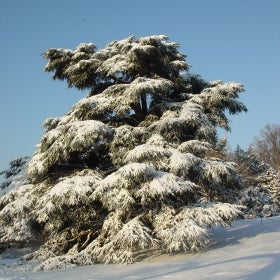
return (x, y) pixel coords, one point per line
(249, 250)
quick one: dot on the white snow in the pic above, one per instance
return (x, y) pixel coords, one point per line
(162, 185)
(249, 250)
(58, 143)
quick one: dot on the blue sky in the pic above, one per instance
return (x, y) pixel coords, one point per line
(230, 40)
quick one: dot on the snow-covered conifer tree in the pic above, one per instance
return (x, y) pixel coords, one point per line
(14, 176)
(261, 194)
(130, 168)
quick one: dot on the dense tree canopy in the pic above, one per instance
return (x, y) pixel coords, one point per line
(131, 167)
(261, 194)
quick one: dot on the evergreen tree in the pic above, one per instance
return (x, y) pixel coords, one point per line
(14, 176)
(271, 181)
(130, 168)
(261, 194)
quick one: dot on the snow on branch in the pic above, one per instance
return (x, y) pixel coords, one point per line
(126, 138)
(187, 122)
(162, 186)
(134, 234)
(57, 144)
(115, 191)
(157, 140)
(178, 233)
(228, 212)
(185, 165)
(69, 192)
(93, 107)
(172, 129)
(115, 65)
(196, 147)
(150, 154)
(125, 97)
(15, 207)
(15, 176)
(188, 230)
(87, 67)
(147, 85)
(195, 117)
(219, 97)
(112, 197)
(220, 173)
(213, 214)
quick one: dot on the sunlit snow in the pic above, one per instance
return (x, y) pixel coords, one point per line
(250, 249)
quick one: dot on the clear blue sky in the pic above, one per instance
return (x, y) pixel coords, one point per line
(230, 40)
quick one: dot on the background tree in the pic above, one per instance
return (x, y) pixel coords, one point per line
(267, 145)
(130, 168)
(261, 193)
